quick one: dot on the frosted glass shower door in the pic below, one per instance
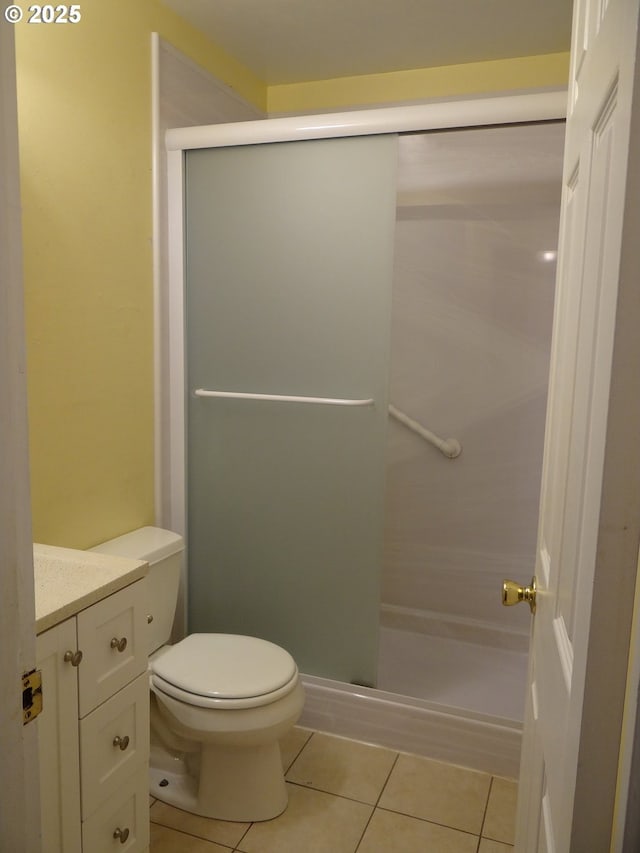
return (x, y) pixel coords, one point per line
(288, 265)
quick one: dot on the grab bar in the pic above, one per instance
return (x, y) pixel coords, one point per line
(283, 398)
(450, 447)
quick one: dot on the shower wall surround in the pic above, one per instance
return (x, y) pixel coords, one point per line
(473, 290)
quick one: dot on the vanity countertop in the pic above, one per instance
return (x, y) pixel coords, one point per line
(67, 581)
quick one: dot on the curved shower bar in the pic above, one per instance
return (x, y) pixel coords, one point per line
(450, 447)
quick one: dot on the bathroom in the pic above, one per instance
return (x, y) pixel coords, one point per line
(90, 414)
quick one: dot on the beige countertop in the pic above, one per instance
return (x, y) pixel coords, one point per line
(67, 581)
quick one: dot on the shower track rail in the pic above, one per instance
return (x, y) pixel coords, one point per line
(450, 447)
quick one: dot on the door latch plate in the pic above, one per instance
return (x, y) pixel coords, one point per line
(31, 695)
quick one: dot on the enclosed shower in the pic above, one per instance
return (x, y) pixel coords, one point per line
(472, 302)
(367, 323)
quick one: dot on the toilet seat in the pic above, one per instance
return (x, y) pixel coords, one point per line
(224, 671)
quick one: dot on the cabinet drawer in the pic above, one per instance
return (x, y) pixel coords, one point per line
(121, 825)
(112, 635)
(114, 743)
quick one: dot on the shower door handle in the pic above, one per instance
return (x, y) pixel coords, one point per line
(283, 398)
(513, 593)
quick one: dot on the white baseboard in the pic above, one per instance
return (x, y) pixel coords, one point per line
(477, 741)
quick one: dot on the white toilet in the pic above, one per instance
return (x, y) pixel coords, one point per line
(219, 704)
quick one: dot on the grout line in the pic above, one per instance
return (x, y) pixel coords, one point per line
(344, 796)
(428, 820)
(197, 837)
(486, 809)
(386, 781)
(373, 810)
(479, 843)
(329, 793)
(200, 837)
(243, 836)
(299, 752)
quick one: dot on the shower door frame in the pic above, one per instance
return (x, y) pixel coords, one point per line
(445, 115)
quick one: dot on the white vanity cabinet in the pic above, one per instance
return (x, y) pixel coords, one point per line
(93, 730)
(58, 744)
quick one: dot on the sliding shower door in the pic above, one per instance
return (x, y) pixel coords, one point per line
(288, 267)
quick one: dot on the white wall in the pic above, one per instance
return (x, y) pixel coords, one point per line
(472, 312)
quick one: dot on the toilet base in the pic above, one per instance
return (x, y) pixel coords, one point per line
(234, 784)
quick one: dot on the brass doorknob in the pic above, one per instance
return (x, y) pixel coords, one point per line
(513, 593)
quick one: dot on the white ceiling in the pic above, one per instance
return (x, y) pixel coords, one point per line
(291, 41)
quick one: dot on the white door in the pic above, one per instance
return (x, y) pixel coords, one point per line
(588, 535)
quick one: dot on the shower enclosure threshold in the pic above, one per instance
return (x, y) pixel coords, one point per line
(471, 739)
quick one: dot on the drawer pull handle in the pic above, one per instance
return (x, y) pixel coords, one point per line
(122, 834)
(122, 742)
(120, 645)
(73, 658)
(149, 618)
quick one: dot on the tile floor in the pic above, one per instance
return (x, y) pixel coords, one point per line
(346, 796)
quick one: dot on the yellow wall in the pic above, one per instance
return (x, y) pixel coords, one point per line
(84, 96)
(474, 78)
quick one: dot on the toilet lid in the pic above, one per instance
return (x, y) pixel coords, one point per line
(226, 666)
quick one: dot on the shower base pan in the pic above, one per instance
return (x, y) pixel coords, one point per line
(473, 676)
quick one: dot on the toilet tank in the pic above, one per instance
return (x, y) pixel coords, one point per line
(163, 550)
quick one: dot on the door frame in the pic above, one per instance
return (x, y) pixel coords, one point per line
(20, 803)
(509, 109)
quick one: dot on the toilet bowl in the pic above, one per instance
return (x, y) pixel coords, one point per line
(220, 702)
(234, 697)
